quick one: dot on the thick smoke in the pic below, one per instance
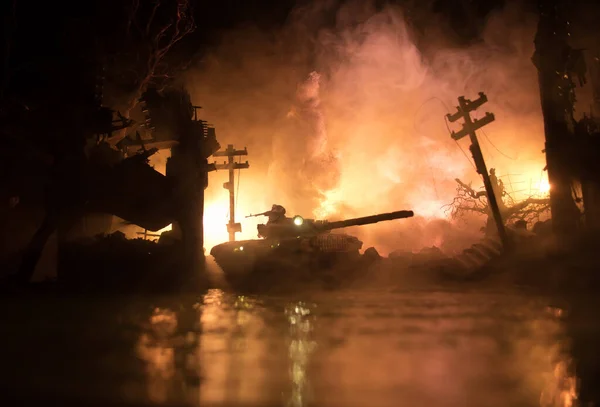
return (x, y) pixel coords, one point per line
(347, 119)
(303, 166)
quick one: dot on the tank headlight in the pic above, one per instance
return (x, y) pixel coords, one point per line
(298, 220)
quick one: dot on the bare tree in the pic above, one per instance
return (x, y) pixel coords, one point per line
(467, 200)
(153, 28)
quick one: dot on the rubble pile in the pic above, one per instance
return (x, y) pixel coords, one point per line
(114, 262)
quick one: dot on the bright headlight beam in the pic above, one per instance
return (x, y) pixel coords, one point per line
(298, 220)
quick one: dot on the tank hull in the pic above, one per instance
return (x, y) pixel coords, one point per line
(297, 248)
(269, 260)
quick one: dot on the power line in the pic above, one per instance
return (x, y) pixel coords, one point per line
(461, 149)
(493, 145)
(449, 130)
(237, 192)
(487, 151)
(426, 152)
(511, 185)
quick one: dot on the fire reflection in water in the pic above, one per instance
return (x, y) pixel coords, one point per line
(435, 351)
(243, 352)
(561, 384)
(561, 390)
(238, 349)
(301, 347)
(155, 348)
(169, 349)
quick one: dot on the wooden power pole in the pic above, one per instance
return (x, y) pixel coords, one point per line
(464, 108)
(231, 165)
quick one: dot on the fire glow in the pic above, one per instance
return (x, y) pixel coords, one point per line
(365, 132)
(544, 186)
(351, 122)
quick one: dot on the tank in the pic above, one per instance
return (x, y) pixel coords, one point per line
(295, 243)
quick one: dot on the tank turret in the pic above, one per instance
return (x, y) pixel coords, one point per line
(300, 227)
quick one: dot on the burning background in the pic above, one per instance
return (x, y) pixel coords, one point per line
(348, 119)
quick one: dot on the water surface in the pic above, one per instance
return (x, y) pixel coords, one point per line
(339, 348)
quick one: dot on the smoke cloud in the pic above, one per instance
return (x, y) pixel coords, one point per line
(342, 111)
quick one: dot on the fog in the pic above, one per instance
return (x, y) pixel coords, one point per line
(343, 115)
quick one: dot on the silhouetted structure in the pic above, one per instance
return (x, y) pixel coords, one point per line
(231, 166)
(172, 112)
(71, 116)
(557, 63)
(469, 127)
(103, 182)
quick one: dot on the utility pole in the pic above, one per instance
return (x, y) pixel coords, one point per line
(231, 165)
(465, 107)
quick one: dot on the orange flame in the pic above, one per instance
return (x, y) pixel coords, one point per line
(378, 103)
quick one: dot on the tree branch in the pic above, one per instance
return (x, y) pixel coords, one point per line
(468, 200)
(160, 42)
(470, 190)
(157, 4)
(133, 11)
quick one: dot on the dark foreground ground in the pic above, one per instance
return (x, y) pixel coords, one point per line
(522, 332)
(393, 342)
(376, 347)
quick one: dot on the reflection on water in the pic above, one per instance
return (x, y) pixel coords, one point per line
(338, 349)
(301, 347)
(156, 348)
(561, 383)
(561, 390)
(442, 349)
(169, 355)
(239, 350)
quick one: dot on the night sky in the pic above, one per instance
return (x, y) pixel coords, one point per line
(57, 32)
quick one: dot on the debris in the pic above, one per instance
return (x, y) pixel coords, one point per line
(372, 255)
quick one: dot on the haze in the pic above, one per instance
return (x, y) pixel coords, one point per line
(348, 119)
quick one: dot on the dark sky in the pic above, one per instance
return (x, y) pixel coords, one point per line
(39, 29)
(51, 44)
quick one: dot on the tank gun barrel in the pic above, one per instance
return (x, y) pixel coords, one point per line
(253, 215)
(367, 220)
